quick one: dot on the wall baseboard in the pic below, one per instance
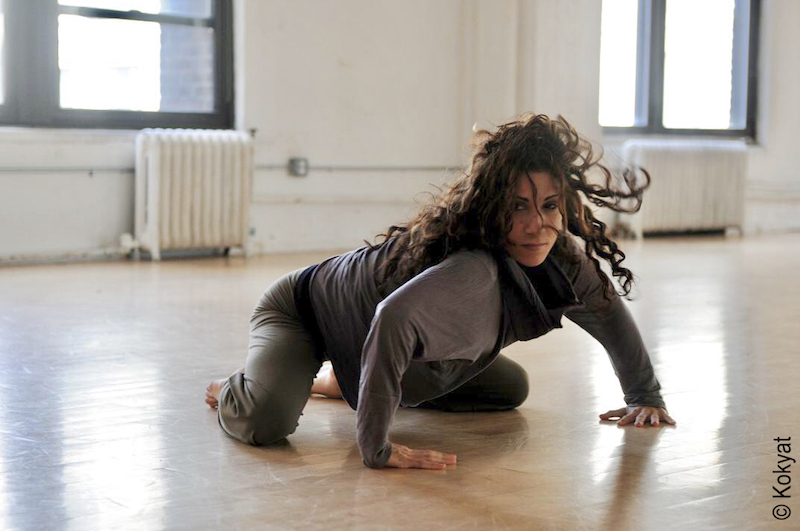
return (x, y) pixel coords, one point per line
(772, 190)
(97, 255)
(772, 206)
(110, 254)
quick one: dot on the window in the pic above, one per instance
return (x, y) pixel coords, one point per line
(116, 63)
(679, 66)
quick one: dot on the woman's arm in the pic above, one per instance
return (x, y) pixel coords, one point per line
(388, 350)
(439, 314)
(610, 323)
(613, 326)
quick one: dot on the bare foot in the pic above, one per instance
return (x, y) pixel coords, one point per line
(212, 390)
(326, 383)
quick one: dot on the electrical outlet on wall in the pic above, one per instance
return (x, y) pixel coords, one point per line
(298, 166)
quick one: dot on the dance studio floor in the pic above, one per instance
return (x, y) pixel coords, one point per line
(103, 426)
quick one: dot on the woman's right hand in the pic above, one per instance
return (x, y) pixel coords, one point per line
(405, 457)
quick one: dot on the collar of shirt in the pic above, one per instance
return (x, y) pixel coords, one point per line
(524, 310)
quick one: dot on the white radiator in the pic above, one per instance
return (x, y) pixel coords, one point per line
(192, 190)
(697, 184)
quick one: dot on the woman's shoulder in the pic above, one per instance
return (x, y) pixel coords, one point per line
(589, 282)
(473, 268)
(475, 261)
(465, 279)
(569, 256)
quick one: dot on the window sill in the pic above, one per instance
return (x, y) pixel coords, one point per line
(46, 134)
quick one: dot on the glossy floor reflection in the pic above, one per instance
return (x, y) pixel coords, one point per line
(103, 425)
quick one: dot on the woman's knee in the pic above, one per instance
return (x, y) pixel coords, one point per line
(510, 382)
(255, 429)
(518, 388)
(264, 432)
(247, 414)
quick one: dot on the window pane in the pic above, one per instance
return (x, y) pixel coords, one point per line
(698, 48)
(189, 8)
(187, 68)
(132, 65)
(618, 39)
(121, 73)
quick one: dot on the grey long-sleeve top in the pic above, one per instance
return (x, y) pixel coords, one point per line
(439, 329)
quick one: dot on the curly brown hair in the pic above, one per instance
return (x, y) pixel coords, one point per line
(475, 211)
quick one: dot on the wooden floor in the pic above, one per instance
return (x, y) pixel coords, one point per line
(103, 425)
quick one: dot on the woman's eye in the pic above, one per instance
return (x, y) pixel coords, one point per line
(551, 206)
(519, 206)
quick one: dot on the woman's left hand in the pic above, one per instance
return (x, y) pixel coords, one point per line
(640, 415)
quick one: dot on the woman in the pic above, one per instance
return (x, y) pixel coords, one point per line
(419, 320)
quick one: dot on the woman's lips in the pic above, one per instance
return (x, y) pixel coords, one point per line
(533, 245)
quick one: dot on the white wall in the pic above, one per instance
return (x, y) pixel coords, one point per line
(356, 84)
(50, 204)
(384, 85)
(773, 193)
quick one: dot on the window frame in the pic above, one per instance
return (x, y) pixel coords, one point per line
(650, 74)
(31, 92)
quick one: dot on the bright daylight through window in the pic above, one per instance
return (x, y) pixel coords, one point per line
(678, 65)
(127, 72)
(118, 63)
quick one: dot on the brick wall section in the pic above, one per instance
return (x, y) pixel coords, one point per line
(187, 62)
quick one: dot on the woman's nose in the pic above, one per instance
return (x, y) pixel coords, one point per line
(534, 223)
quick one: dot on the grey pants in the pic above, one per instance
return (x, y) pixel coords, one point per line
(263, 404)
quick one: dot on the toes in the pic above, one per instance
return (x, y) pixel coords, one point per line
(212, 392)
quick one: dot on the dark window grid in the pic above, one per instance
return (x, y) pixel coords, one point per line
(650, 73)
(32, 74)
(163, 18)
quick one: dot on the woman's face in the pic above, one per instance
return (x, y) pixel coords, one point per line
(536, 219)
